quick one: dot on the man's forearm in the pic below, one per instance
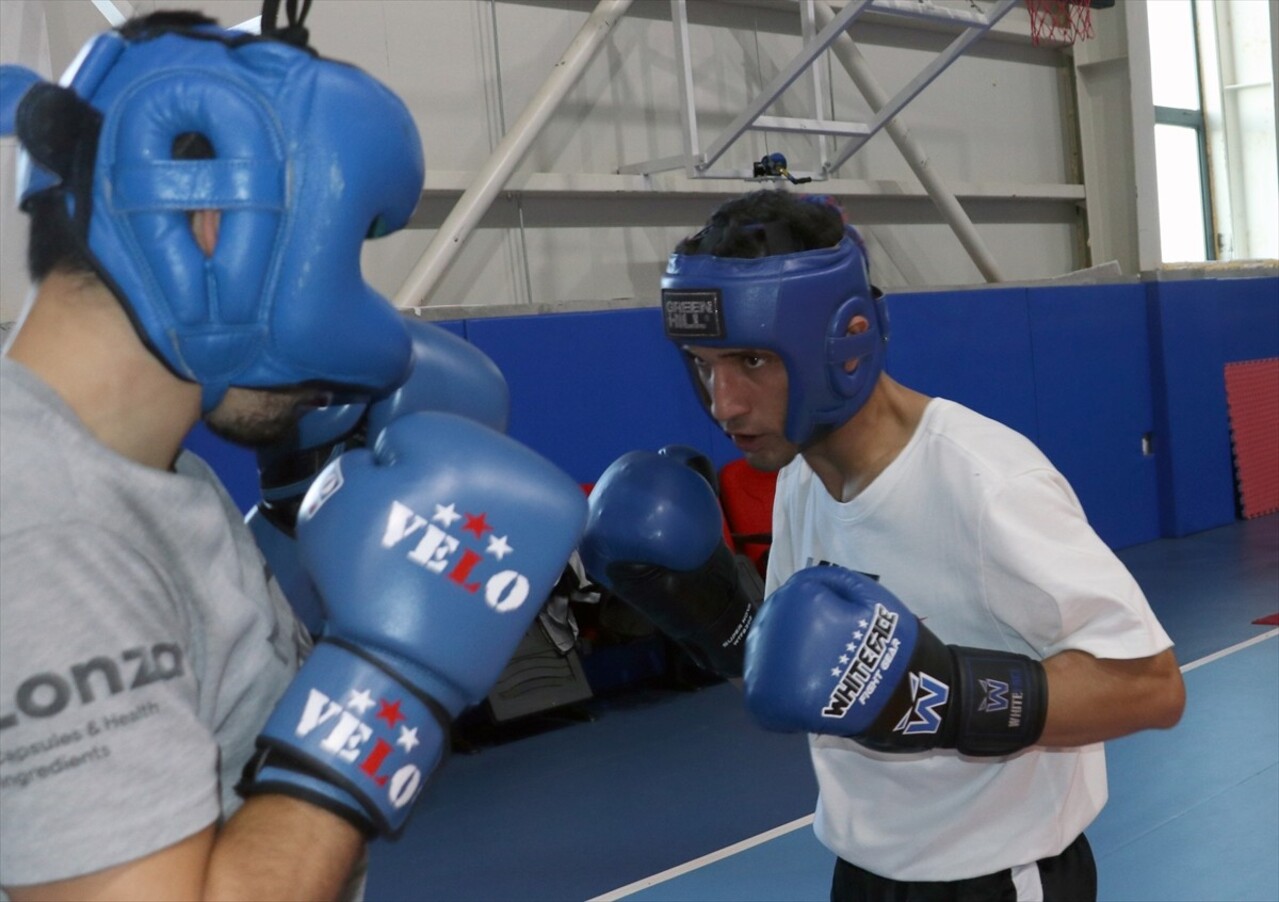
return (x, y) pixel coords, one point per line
(275, 847)
(1095, 699)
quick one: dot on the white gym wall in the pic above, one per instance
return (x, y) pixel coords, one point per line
(1000, 127)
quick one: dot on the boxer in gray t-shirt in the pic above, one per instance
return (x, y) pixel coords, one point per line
(161, 648)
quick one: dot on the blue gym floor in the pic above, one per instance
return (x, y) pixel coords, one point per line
(677, 796)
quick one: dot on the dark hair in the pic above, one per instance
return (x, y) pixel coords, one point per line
(144, 28)
(764, 223)
(55, 240)
(51, 243)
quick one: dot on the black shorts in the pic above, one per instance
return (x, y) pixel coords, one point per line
(1068, 877)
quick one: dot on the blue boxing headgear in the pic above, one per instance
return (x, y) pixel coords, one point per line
(309, 157)
(797, 305)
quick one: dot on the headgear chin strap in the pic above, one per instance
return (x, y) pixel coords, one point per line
(797, 305)
(310, 157)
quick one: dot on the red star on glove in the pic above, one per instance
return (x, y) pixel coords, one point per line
(390, 712)
(477, 525)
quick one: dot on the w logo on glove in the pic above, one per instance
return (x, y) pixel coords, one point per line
(996, 696)
(929, 696)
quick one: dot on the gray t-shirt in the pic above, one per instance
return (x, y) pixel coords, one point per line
(142, 645)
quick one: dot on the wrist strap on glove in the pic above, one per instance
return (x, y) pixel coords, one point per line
(353, 737)
(1002, 702)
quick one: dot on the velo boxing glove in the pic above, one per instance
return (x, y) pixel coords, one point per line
(433, 552)
(654, 537)
(446, 374)
(285, 471)
(834, 652)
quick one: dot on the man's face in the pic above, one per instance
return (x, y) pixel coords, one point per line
(260, 417)
(747, 392)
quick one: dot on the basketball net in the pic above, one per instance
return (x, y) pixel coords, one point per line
(1064, 21)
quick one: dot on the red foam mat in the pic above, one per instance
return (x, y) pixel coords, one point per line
(1252, 394)
(747, 496)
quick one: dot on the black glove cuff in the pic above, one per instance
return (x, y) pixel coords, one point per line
(1002, 701)
(251, 784)
(708, 611)
(279, 767)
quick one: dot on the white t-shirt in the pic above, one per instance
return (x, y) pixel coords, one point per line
(977, 533)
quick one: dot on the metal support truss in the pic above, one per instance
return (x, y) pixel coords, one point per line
(845, 50)
(491, 178)
(698, 163)
(833, 34)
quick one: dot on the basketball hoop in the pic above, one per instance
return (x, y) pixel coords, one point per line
(1059, 21)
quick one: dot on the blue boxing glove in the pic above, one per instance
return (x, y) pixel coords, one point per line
(834, 652)
(446, 374)
(433, 553)
(696, 461)
(655, 538)
(285, 472)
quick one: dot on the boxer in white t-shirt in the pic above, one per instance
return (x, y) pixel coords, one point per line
(939, 616)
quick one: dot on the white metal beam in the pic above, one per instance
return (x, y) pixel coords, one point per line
(783, 80)
(116, 12)
(688, 105)
(851, 58)
(442, 183)
(924, 78)
(1141, 98)
(917, 9)
(1104, 100)
(821, 84)
(492, 176)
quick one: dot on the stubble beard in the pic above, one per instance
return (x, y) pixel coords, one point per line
(257, 418)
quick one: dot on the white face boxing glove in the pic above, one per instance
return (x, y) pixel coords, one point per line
(835, 652)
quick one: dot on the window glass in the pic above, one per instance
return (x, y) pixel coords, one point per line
(1174, 70)
(1181, 212)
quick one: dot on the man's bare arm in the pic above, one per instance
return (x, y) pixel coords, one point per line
(274, 847)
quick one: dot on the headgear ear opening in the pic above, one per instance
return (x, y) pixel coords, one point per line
(260, 311)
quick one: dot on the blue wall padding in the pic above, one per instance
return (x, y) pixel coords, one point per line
(1092, 383)
(1196, 328)
(1067, 367)
(1083, 371)
(456, 326)
(588, 387)
(971, 347)
(237, 467)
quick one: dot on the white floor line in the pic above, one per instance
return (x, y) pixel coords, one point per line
(727, 851)
(1216, 656)
(696, 863)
